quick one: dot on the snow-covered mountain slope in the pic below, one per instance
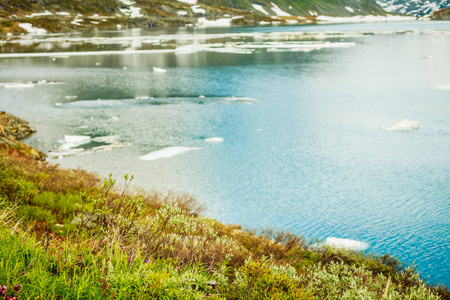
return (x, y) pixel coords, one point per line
(413, 7)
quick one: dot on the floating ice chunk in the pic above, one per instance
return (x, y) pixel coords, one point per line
(159, 70)
(242, 99)
(260, 9)
(18, 85)
(167, 152)
(110, 139)
(346, 244)
(71, 97)
(72, 141)
(278, 11)
(110, 147)
(77, 139)
(64, 153)
(214, 140)
(444, 87)
(364, 19)
(403, 125)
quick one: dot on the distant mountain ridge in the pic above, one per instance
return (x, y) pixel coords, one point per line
(413, 7)
(69, 15)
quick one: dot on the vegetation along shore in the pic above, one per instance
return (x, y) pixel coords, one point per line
(66, 234)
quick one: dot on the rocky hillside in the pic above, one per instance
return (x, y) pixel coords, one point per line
(442, 14)
(35, 16)
(413, 7)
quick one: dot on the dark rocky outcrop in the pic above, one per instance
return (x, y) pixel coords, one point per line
(443, 14)
(12, 130)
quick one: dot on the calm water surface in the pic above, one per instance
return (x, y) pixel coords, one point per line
(309, 158)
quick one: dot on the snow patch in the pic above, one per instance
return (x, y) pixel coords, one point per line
(132, 11)
(260, 9)
(46, 13)
(31, 29)
(196, 9)
(192, 2)
(364, 19)
(350, 9)
(167, 152)
(223, 22)
(278, 11)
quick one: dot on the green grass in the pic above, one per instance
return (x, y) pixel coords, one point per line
(148, 245)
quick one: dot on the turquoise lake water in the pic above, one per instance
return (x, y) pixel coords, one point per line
(304, 151)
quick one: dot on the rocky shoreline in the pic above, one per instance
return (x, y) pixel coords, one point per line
(14, 129)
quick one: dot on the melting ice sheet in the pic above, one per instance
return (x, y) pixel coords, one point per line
(127, 103)
(71, 143)
(167, 152)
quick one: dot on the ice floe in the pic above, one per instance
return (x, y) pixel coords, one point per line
(217, 48)
(403, 125)
(167, 152)
(159, 70)
(365, 18)
(296, 45)
(346, 244)
(72, 141)
(71, 145)
(28, 84)
(444, 87)
(214, 140)
(146, 101)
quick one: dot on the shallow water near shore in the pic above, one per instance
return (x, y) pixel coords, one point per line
(303, 151)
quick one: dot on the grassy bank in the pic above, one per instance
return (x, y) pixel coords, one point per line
(66, 234)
